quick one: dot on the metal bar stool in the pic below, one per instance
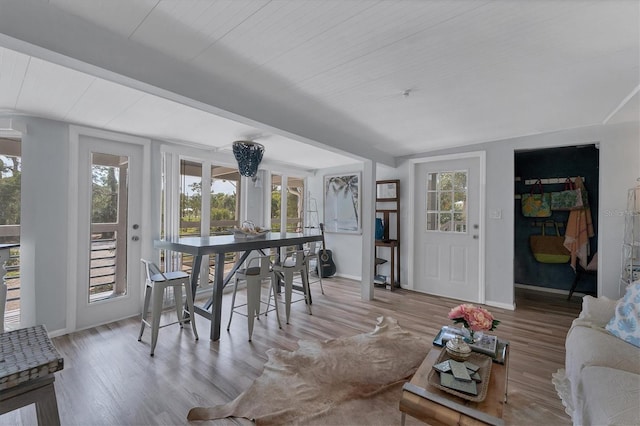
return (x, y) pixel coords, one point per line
(254, 275)
(294, 263)
(155, 286)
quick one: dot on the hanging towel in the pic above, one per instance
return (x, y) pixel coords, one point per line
(579, 230)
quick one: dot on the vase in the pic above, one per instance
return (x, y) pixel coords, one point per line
(458, 349)
(471, 336)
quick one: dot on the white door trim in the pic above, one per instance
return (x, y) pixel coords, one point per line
(75, 133)
(481, 156)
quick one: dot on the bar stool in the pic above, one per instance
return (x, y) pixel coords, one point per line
(311, 254)
(155, 286)
(294, 263)
(254, 275)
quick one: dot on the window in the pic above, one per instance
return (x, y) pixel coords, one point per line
(447, 201)
(222, 200)
(294, 206)
(276, 202)
(225, 208)
(190, 198)
(224, 205)
(10, 189)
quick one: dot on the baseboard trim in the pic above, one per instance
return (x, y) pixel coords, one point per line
(549, 290)
(349, 277)
(501, 305)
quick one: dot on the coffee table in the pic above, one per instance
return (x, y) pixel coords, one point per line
(437, 407)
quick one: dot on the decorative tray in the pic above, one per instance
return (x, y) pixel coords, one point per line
(482, 361)
(501, 351)
(239, 234)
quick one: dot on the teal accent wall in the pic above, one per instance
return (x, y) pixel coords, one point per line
(552, 163)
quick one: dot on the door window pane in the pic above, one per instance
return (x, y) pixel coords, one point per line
(108, 256)
(446, 206)
(10, 190)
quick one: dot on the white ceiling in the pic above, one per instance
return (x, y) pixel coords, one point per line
(323, 82)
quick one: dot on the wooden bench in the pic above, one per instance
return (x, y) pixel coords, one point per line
(28, 360)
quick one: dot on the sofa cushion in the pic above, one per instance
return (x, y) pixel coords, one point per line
(609, 397)
(592, 346)
(588, 346)
(625, 323)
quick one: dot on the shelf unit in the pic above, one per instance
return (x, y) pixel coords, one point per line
(630, 270)
(388, 209)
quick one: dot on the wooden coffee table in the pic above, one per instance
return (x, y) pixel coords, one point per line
(437, 407)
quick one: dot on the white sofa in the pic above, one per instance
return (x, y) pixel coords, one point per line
(600, 384)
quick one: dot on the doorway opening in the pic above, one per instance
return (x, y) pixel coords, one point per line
(553, 166)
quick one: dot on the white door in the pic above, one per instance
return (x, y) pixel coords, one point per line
(109, 213)
(447, 228)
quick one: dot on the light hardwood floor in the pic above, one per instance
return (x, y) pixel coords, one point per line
(110, 379)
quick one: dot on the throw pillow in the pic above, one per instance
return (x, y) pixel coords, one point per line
(625, 323)
(598, 310)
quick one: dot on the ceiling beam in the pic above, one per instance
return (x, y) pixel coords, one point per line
(41, 30)
(626, 100)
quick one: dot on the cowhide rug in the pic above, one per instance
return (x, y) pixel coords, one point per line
(349, 380)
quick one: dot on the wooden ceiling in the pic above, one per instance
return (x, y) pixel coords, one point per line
(323, 83)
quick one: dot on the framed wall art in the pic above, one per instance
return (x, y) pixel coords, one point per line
(342, 203)
(387, 190)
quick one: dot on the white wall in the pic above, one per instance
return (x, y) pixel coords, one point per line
(619, 165)
(45, 183)
(45, 252)
(346, 248)
(43, 231)
(619, 169)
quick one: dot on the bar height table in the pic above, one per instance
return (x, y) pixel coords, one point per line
(219, 246)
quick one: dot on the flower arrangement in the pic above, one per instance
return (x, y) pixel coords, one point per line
(473, 318)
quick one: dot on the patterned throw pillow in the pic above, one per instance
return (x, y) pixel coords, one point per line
(625, 323)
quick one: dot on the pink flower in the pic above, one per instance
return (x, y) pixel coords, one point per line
(473, 317)
(460, 311)
(479, 319)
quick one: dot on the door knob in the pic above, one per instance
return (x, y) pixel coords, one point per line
(135, 238)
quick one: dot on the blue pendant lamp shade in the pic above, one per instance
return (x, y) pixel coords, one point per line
(248, 154)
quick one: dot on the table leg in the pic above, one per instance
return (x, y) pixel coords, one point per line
(392, 281)
(226, 280)
(195, 274)
(402, 419)
(40, 392)
(218, 287)
(47, 407)
(305, 286)
(506, 378)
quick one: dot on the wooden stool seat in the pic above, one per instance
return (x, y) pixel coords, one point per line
(28, 361)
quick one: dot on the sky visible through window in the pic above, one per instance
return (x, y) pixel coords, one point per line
(219, 186)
